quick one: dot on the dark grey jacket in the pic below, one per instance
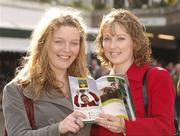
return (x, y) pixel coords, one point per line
(48, 113)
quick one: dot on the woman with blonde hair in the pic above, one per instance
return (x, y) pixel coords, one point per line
(123, 45)
(57, 51)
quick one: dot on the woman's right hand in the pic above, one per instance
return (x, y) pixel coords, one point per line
(110, 122)
(72, 123)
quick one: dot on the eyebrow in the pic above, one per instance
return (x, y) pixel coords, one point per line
(122, 35)
(61, 38)
(114, 35)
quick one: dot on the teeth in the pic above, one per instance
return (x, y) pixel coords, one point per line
(63, 57)
(115, 53)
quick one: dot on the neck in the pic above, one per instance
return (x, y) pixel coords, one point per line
(121, 69)
(61, 76)
(62, 81)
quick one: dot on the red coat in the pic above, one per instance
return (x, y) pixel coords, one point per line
(161, 97)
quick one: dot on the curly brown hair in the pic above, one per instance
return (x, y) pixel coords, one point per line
(141, 50)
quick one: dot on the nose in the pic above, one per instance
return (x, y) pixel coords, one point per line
(66, 47)
(113, 43)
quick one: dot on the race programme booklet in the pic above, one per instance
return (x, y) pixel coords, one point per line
(108, 94)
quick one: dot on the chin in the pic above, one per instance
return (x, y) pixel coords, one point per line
(63, 66)
(114, 62)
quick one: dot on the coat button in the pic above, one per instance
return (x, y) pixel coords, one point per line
(51, 121)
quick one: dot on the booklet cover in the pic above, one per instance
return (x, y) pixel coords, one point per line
(108, 94)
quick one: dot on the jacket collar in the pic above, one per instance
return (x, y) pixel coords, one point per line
(60, 100)
(134, 72)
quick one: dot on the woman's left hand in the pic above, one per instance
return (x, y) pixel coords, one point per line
(112, 123)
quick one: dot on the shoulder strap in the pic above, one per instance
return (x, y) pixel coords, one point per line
(29, 107)
(144, 89)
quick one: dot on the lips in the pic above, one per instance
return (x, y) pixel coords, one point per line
(115, 53)
(65, 57)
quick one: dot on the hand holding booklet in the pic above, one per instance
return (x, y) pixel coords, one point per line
(108, 94)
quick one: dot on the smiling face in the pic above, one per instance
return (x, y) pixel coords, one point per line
(64, 47)
(117, 45)
(85, 99)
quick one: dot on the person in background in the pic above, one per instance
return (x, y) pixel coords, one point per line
(57, 51)
(94, 67)
(176, 74)
(176, 79)
(123, 45)
(170, 68)
(178, 101)
(178, 87)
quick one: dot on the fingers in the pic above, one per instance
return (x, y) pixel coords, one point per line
(112, 123)
(112, 126)
(104, 122)
(74, 128)
(72, 123)
(78, 114)
(106, 119)
(79, 123)
(109, 117)
(69, 125)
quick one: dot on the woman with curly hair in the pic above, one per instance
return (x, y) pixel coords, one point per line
(122, 45)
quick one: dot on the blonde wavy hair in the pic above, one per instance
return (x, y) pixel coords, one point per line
(141, 51)
(35, 69)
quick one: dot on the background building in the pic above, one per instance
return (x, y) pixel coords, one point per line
(161, 18)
